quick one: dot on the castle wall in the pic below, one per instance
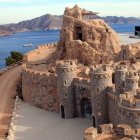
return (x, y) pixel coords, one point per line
(81, 91)
(40, 89)
(129, 116)
(112, 108)
(40, 54)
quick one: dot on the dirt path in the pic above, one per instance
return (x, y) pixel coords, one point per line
(8, 82)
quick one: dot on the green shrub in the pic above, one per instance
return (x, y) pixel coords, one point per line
(15, 57)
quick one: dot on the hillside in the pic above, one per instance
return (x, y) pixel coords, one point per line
(4, 31)
(49, 21)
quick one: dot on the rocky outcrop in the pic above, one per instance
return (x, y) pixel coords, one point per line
(88, 41)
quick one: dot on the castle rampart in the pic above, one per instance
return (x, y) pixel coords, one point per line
(129, 110)
(41, 53)
(40, 89)
(81, 83)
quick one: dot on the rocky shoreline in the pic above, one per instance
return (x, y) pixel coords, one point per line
(3, 34)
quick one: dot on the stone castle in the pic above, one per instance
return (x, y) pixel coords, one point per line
(87, 74)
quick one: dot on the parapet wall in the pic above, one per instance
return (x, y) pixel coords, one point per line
(41, 53)
(40, 89)
(128, 100)
(81, 83)
(110, 132)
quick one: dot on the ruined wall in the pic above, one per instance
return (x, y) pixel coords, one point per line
(40, 89)
(40, 54)
(97, 40)
(129, 51)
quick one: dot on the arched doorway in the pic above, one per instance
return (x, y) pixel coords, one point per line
(94, 121)
(79, 33)
(86, 109)
(62, 111)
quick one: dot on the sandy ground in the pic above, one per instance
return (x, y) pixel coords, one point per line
(126, 40)
(37, 124)
(8, 82)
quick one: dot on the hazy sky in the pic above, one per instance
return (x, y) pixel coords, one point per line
(12, 11)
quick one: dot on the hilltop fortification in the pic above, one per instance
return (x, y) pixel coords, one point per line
(87, 74)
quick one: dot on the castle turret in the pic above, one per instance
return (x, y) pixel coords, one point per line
(131, 81)
(101, 78)
(120, 75)
(65, 75)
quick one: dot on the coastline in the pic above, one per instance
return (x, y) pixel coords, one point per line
(23, 31)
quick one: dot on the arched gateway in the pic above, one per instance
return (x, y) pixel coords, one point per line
(86, 109)
(62, 111)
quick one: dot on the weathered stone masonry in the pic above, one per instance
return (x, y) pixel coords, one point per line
(86, 75)
(40, 89)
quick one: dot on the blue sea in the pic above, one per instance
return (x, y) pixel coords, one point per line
(15, 42)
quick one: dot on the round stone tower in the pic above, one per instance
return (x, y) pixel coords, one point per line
(132, 79)
(120, 75)
(101, 78)
(65, 75)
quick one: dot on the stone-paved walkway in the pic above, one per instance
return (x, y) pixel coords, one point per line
(37, 124)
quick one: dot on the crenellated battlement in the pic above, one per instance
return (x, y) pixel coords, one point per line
(128, 100)
(79, 80)
(29, 71)
(101, 70)
(109, 131)
(122, 68)
(66, 64)
(40, 52)
(132, 75)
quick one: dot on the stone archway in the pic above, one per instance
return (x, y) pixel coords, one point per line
(86, 109)
(62, 111)
(94, 121)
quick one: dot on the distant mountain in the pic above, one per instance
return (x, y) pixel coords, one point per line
(48, 21)
(121, 20)
(4, 31)
(40, 23)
